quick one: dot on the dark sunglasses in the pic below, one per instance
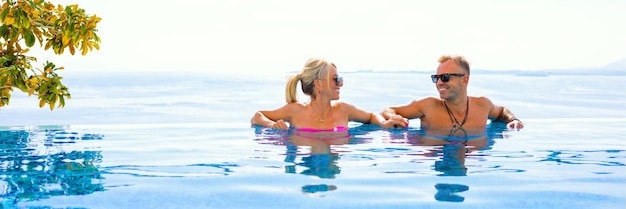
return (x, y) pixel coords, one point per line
(445, 77)
(338, 80)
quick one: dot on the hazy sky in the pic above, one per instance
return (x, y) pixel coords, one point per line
(278, 36)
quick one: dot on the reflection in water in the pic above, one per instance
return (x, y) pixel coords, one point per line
(451, 145)
(321, 161)
(318, 158)
(318, 188)
(320, 165)
(40, 164)
(447, 192)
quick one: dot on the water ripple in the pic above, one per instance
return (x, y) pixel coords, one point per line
(193, 170)
(584, 157)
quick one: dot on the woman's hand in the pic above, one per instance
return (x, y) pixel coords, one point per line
(396, 121)
(280, 124)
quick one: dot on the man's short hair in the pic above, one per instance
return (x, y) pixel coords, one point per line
(460, 61)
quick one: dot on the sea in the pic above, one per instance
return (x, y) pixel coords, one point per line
(184, 140)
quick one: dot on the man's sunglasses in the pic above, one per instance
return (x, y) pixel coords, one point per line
(445, 77)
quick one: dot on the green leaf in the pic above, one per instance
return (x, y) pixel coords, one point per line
(3, 30)
(14, 32)
(29, 37)
(5, 12)
(18, 21)
(25, 20)
(61, 101)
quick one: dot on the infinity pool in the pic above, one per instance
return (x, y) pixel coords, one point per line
(185, 142)
(238, 166)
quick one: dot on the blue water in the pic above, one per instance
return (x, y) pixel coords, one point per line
(162, 141)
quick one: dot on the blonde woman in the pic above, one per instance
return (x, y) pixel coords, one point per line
(321, 82)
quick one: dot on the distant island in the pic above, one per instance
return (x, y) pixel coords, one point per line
(615, 68)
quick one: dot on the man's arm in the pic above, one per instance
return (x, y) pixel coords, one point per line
(402, 113)
(509, 118)
(506, 116)
(409, 111)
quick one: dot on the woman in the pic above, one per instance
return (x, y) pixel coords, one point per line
(320, 81)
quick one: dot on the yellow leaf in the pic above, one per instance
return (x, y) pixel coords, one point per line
(48, 45)
(65, 40)
(9, 20)
(41, 103)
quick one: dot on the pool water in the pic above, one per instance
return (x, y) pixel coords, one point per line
(145, 152)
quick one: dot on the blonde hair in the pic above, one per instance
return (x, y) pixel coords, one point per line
(460, 61)
(314, 68)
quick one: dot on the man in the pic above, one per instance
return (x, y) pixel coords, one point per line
(454, 108)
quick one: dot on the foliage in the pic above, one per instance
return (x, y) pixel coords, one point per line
(27, 22)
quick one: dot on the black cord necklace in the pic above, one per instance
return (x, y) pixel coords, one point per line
(453, 119)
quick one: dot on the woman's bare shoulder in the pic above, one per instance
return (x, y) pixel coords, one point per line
(342, 105)
(299, 104)
(295, 106)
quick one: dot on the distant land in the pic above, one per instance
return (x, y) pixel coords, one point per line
(615, 68)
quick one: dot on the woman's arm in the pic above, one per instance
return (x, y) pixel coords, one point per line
(277, 118)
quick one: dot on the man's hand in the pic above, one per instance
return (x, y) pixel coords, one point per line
(515, 125)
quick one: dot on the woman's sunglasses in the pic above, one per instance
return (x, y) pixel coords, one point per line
(338, 80)
(445, 77)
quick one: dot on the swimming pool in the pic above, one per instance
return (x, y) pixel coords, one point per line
(116, 158)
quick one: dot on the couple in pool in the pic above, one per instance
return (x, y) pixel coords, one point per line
(319, 80)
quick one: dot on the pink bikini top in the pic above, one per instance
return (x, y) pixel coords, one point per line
(313, 130)
(323, 134)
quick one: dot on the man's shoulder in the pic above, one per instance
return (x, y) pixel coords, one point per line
(479, 98)
(425, 102)
(428, 99)
(483, 100)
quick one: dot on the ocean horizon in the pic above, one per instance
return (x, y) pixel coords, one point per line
(104, 98)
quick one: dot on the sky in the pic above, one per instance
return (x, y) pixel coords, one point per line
(278, 36)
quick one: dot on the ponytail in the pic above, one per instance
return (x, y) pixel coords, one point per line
(290, 88)
(313, 69)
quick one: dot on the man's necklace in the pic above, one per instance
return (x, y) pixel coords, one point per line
(453, 119)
